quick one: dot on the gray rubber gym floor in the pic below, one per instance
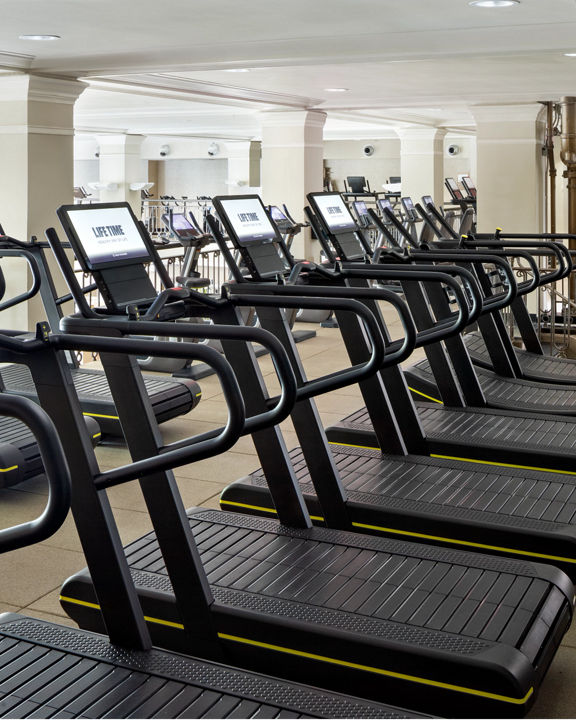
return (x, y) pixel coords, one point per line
(31, 578)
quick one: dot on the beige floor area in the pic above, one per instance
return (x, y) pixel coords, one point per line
(31, 578)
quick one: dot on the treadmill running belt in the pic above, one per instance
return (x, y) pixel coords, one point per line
(170, 397)
(51, 671)
(504, 393)
(521, 512)
(393, 609)
(543, 368)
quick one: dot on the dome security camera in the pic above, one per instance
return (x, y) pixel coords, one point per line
(453, 149)
(164, 150)
(368, 150)
(213, 149)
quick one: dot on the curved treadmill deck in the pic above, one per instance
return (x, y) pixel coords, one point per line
(524, 440)
(503, 393)
(170, 397)
(51, 671)
(19, 454)
(459, 632)
(519, 513)
(541, 368)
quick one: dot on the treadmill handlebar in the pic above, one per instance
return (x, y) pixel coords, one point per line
(562, 253)
(195, 351)
(491, 303)
(35, 271)
(287, 296)
(55, 468)
(441, 328)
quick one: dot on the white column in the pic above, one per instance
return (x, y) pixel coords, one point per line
(37, 159)
(120, 166)
(239, 172)
(292, 165)
(422, 162)
(510, 167)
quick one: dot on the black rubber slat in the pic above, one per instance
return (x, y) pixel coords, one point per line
(84, 676)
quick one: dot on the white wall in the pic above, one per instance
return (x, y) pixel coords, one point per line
(464, 163)
(193, 177)
(345, 157)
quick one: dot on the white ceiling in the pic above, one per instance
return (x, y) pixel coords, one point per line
(162, 68)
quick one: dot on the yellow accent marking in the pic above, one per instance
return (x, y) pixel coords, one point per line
(95, 606)
(110, 417)
(426, 396)
(362, 447)
(380, 671)
(198, 394)
(96, 435)
(502, 464)
(336, 661)
(74, 601)
(464, 542)
(263, 509)
(14, 467)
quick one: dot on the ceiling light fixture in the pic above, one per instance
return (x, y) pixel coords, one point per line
(237, 70)
(570, 54)
(39, 37)
(493, 3)
(336, 89)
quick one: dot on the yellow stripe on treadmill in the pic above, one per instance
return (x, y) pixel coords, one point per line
(14, 467)
(381, 671)
(502, 464)
(262, 509)
(110, 417)
(439, 538)
(337, 661)
(429, 397)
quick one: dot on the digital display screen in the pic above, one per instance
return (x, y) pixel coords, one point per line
(248, 219)
(181, 225)
(334, 212)
(107, 234)
(453, 186)
(427, 200)
(385, 204)
(407, 202)
(277, 214)
(360, 207)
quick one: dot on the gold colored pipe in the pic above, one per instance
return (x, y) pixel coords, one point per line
(568, 156)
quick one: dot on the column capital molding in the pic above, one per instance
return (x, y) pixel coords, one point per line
(514, 113)
(295, 118)
(18, 86)
(421, 133)
(120, 143)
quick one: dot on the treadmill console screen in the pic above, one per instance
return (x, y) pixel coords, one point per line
(334, 212)
(277, 214)
(455, 191)
(180, 225)
(427, 200)
(104, 235)
(385, 204)
(360, 207)
(248, 219)
(469, 185)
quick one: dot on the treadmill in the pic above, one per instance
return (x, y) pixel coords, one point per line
(48, 670)
(518, 439)
(530, 363)
(400, 491)
(534, 363)
(170, 397)
(336, 608)
(504, 387)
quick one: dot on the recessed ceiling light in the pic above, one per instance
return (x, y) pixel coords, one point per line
(39, 37)
(237, 70)
(336, 89)
(494, 3)
(570, 54)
